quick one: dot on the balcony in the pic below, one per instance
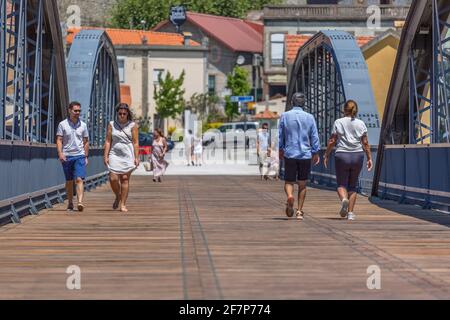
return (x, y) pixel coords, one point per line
(332, 12)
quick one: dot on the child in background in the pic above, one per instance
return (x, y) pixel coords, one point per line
(273, 164)
(198, 151)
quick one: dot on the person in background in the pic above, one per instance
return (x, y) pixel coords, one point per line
(121, 154)
(198, 150)
(263, 149)
(350, 138)
(72, 142)
(189, 148)
(159, 151)
(299, 145)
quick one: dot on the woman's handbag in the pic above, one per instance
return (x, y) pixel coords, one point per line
(148, 165)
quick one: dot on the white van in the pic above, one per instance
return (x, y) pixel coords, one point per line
(233, 134)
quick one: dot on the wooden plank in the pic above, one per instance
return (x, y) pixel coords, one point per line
(215, 237)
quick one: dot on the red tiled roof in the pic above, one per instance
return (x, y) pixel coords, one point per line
(258, 27)
(135, 37)
(125, 94)
(267, 114)
(237, 34)
(294, 42)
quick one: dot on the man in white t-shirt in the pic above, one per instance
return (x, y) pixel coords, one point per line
(72, 141)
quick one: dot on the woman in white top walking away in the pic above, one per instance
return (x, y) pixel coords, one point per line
(350, 137)
(121, 154)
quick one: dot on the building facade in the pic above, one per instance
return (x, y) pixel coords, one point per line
(309, 17)
(143, 56)
(380, 55)
(231, 42)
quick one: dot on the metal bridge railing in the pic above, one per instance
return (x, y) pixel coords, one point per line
(417, 174)
(32, 178)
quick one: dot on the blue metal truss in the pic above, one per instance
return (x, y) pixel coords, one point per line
(429, 88)
(94, 80)
(330, 69)
(27, 81)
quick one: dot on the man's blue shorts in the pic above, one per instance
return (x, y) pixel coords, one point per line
(74, 168)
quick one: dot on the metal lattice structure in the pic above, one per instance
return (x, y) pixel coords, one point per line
(415, 138)
(428, 75)
(417, 110)
(331, 69)
(32, 70)
(94, 80)
(34, 96)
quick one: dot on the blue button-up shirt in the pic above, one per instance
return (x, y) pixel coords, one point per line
(298, 134)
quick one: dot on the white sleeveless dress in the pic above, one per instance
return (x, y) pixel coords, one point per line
(121, 156)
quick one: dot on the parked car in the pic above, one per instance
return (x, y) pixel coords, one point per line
(234, 133)
(145, 143)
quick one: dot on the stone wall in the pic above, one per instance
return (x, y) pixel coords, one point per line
(93, 13)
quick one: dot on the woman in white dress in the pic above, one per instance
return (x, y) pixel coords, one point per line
(121, 154)
(159, 151)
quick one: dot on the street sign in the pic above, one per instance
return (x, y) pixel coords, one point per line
(177, 16)
(243, 99)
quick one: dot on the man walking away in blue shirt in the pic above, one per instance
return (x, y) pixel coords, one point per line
(299, 146)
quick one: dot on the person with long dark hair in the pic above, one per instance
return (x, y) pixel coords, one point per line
(121, 153)
(351, 141)
(159, 151)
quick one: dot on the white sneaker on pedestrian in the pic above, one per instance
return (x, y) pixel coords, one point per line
(300, 215)
(344, 208)
(351, 216)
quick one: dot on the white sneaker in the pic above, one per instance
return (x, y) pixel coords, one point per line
(351, 216)
(300, 215)
(344, 208)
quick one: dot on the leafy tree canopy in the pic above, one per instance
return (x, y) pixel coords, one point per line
(169, 96)
(131, 13)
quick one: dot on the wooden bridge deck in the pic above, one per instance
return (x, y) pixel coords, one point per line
(225, 238)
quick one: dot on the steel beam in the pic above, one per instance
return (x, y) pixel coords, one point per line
(330, 69)
(94, 80)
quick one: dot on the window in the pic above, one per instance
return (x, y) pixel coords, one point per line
(277, 49)
(250, 126)
(225, 128)
(121, 67)
(275, 90)
(156, 74)
(212, 85)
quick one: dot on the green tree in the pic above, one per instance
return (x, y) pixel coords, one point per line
(202, 104)
(128, 14)
(169, 96)
(237, 82)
